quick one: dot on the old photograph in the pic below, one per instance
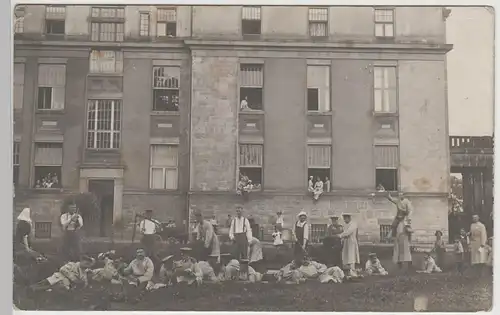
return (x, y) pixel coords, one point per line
(253, 158)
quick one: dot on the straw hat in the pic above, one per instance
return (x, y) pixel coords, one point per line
(302, 213)
(167, 258)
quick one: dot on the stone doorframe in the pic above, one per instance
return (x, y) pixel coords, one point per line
(115, 174)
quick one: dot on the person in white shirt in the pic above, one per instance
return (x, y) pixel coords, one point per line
(240, 233)
(149, 228)
(244, 104)
(255, 255)
(430, 265)
(71, 223)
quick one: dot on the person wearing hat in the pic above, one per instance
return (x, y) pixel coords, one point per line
(149, 228)
(333, 244)
(240, 233)
(206, 236)
(350, 247)
(373, 266)
(300, 233)
(404, 210)
(71, 275)
(71, 223)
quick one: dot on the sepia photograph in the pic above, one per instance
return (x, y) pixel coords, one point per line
(252, 158)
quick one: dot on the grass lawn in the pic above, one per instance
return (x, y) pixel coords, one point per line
(445, 292)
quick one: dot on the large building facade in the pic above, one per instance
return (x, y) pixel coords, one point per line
(142, 106)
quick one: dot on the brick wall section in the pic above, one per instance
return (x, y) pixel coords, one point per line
(214, 123)
(422, 120)
(74, 121)
(430, 212)
(352, 125)
(285, 125)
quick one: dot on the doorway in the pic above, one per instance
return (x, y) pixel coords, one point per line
(102, 223)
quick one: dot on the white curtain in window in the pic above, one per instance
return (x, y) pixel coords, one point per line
(251, 76)
(48, 154)
(251, 155)
(250, 13)
(52, 75)
(319, 156)
(164, 155)
(319, 77)
(386, 156)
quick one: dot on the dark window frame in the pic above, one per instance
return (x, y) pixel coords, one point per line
(385, 181)
(311, 99)
(45, 94)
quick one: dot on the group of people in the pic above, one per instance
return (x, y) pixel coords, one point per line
(245, 185)
(48, 181)
(316, 187)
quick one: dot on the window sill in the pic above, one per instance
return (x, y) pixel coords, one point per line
(319, 38)
(46, 190)
(385, 114)
(385, 38)
(164, 191)
(315, 113)
(108, 151)
(165, 113)
(105, 74)
(252, 112)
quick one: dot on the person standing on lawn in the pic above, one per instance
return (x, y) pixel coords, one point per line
(333, 244)
(478, 238)
(301, 236)
(149, 228)
(240, 233)
(255, 256)
(206, 235)
(439, 249)
(350, 248)
(280, 221)
(71, 223)
(401, 251)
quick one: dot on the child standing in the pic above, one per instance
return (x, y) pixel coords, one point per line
(439, 249)
(459, 254)
(465, 240)
(277, 237)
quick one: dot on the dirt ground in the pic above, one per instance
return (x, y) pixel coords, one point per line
(445, 292)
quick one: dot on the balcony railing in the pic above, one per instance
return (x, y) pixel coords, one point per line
(460, 142)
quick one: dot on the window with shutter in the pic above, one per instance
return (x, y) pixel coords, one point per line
(166, 25)
(318, 22)
(48, 163)
(384, 23)
(251, 87)
(51, 86)
(385, 89)
(319, 160)
(55, 19)
(250, 20)
(251, 163)
(386, 167)
(106, 61)
(164, 166)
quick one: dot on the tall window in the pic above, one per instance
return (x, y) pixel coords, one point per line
(144, 24)
(48, 162)
(164, 166)
(319, 161)
(251, 163)
(108, 24)
(318, 22)
(386, 167)
(19, 19)
(385, 89)
(15, 162)
(251, 86)
(106, 61)
(250, 20)
(384, 22)
(166, 22)
(166, 88)
(318, 88)
(18, 85)
(55, 19)
(104, 124)
(51, 86)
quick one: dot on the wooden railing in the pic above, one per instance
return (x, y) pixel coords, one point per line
(459, 142)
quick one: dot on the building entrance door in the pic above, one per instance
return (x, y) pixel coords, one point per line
(104, 191)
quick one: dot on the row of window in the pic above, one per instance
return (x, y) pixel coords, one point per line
(108, 23)
(164, 161)
(166, 85)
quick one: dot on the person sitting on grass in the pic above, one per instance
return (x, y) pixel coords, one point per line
(73, 275)
(186, 269)
(206, 271)
(239, 271)
(373, 266)
(430, 265)
(140, 270)
(290, 273)
(311, 269)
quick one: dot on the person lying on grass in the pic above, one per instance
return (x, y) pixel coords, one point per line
(430, 265)
(235, 271)
(73, 275)
(111, 268)
(373, 266)
(299, 271)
